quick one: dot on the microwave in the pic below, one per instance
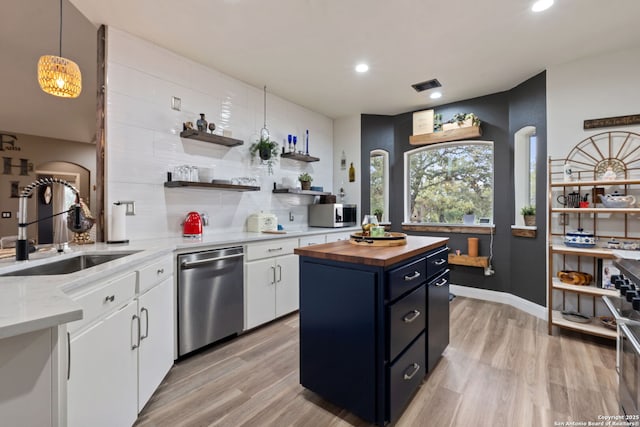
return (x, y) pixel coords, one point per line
(333, 215)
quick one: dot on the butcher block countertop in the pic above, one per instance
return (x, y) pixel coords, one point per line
(344, 251)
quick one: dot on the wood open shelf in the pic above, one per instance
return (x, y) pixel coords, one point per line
(596, 210)
(300, 192)
(300, 157)
(603, 253)
(592, 328)
(469, 261)
(586, 290)
(227, 187)
(596, 183)
(447, 135)
(209, 137)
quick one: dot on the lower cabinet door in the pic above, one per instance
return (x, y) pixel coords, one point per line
(155, 356)
(405, 376)
(260, 299)
(287, 284)
(102, 390)
(437, 319)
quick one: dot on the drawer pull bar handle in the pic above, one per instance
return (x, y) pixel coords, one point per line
(416, 368)
(160, 271)
(442, 283)
(415, 275)
(146, 327)
(274, 249)
(279, 273)
(68, 356)
(411, 316)
(134, 346)
(442, 261)
(273, 271)
(109, 298)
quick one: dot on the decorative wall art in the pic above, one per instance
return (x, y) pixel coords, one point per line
(606, 122)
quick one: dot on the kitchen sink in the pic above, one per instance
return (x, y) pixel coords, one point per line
(69, 265)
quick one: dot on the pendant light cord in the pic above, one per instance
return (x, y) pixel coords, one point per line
(265, 105)
(60, 37)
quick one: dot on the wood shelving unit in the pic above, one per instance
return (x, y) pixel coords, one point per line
(469, 261)
(209, 137)
(226, 187)
(300, 157)
(592, 328)
(300, 192)
(447, 135)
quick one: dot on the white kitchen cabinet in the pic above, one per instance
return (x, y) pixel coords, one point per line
(155, 355)
(336, 237)
(102, 384)
(271, 282)
(317, 239)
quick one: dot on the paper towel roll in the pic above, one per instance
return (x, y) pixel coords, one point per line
(118, 226)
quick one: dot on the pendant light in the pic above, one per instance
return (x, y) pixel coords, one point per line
(264, 132)
(57, 75)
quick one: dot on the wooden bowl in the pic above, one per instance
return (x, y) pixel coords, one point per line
(578, 278)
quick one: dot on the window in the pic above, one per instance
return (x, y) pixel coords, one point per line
(379, 184)
(444, 182)
(524, 170)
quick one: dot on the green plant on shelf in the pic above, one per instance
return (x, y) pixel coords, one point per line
(528, 210)
(267, 150)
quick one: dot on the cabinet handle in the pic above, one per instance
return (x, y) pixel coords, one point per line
(415, 367)
(411, 316)
(68, 356)
(146, 327)
(160, 271)
(279, 273)
(273, 271)
(134, 346)
(442, 283)
(415, 275)
(274, 249)
(442, 261)
(109, 298)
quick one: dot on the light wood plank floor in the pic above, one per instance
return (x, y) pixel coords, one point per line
(500, 369)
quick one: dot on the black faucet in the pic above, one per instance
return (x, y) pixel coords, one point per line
(22, 245)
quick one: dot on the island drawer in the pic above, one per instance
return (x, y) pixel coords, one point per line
(102, 300)
(155, 273)
(270, 249)
(407, 318)
(405, 376)
(437, 262)
(405, 278)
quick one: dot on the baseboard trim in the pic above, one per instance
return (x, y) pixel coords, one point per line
(501, 297)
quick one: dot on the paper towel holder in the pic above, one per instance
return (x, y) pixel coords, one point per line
(117, 241)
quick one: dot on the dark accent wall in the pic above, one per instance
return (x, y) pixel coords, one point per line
(519, 263)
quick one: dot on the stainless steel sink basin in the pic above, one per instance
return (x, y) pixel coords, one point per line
(69, 265)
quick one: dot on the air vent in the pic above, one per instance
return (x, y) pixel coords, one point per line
(429, 84)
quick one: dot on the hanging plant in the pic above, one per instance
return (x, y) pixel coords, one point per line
(266, 150)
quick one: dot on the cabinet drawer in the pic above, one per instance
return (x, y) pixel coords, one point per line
(102, 300)
(405, 376)
(312, 240)
(407, 319)
(270, 249)
(155, 272)
(437, 262)
(336, 237)
(405, 278)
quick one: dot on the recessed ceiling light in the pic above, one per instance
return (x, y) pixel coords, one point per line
(362, 68)
(541, 5)
(435, 95)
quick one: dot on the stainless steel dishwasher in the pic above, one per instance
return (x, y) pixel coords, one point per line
(210, 297)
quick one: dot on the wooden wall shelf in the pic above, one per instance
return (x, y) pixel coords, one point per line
(300, 192)
(447, 135)
(209, 137)
(469, 261)
(227, 187)
(300, 157)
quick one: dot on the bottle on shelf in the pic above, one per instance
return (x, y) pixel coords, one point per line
(352, 173)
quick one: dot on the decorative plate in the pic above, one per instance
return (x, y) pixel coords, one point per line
(609, 322)
(576, 317)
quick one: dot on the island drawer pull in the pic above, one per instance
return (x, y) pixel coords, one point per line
(109, 298)
(415, 275)
(415, 367)
(275, 249)
(442, 261)
(442, 283)
(411, 316)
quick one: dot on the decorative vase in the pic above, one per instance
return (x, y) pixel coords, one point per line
(306, 185)
(469, 219)
(529, 220)
(201, 123)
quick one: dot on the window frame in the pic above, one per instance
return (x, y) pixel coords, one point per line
(385, 180)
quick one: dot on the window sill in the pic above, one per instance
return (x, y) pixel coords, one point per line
(450, 228)
(524, 231)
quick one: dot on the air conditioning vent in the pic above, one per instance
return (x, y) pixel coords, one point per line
(429, 84)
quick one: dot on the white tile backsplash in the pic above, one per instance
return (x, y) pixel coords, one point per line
(143, 141)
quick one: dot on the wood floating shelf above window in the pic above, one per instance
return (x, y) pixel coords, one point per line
(469, 261)
(469, 132)
(227, 187)
(210, 137)
(300, 192)
(300, 157)
(454, 228)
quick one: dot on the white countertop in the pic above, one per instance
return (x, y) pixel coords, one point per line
(30, 303)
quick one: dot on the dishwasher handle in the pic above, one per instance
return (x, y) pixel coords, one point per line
(192, 264)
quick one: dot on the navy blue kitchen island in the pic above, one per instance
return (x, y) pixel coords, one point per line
(373, 322)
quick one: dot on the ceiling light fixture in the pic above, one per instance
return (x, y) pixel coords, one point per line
(435, 95)
(59, 76)
(362, 68)
(541, 5)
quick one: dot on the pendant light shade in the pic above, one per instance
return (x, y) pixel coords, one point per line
(59, 76)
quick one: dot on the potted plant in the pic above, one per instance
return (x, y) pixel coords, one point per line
(529, 214)
(462, 120)
(305, 180)
(469, 217)
(437, 122)
(378, 213)
(267, 150)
